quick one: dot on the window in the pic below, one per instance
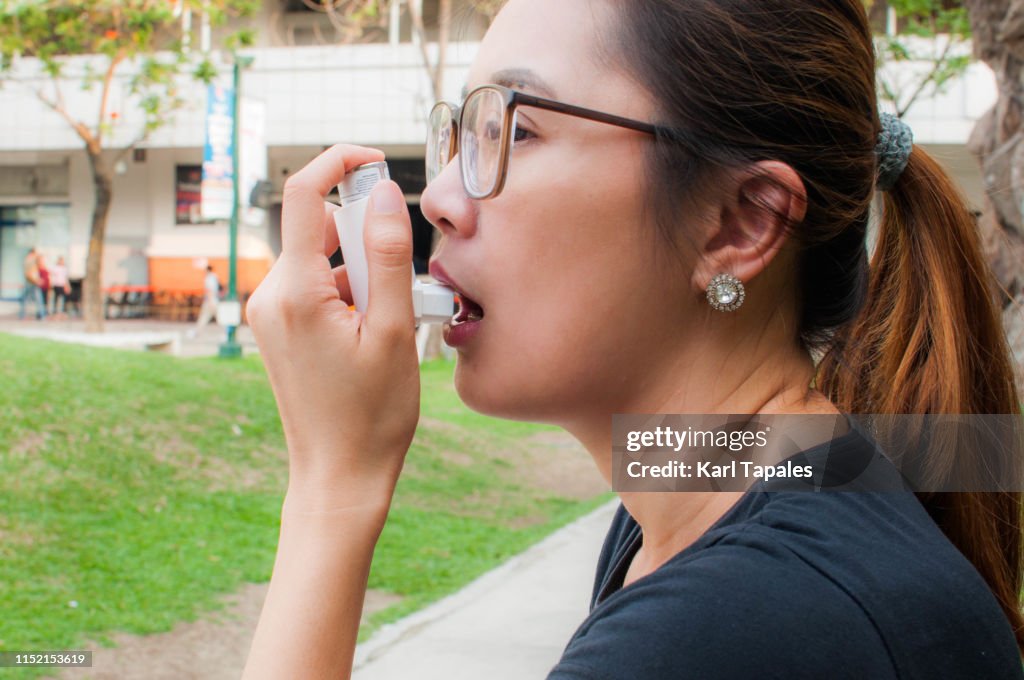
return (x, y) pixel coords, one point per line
(187, 195)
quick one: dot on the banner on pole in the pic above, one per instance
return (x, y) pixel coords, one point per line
(218, 154)
(252, 156)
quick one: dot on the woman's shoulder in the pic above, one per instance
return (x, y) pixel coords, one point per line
(736, 608)
(838, 584)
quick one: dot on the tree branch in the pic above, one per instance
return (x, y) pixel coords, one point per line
(417, 24)
(57, 106)
(108, 77)
(142, 136)
(936, 65)
(444, 24)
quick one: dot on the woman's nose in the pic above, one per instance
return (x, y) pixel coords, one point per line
(446, 205)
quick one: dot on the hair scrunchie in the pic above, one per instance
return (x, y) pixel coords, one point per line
(895, 142)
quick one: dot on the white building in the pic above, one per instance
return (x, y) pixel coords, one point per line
(315, 95)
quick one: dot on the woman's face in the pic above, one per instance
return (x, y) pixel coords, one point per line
(576, 309)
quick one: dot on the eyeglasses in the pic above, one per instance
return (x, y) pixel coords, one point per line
(482, 131)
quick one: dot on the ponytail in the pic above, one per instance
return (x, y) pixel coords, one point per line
(930, 340)
(917, 331)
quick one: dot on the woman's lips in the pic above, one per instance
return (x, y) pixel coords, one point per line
(470, 315)
(459, 334)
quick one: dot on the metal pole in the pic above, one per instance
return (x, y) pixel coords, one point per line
(231, 348)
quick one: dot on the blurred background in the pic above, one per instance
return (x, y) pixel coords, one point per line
(146, 143)
(321, 73)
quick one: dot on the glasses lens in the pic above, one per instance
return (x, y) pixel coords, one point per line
(439, 140)
(480, 140)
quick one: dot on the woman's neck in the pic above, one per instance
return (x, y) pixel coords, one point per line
(769, 384)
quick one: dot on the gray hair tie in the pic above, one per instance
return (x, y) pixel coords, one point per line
(895, 143)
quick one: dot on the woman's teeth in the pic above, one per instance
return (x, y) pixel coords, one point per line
(469, 311)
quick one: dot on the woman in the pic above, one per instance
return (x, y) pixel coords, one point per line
(60, 285)
(744, 145)
(44, 280)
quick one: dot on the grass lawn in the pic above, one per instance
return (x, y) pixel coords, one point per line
(137, 488)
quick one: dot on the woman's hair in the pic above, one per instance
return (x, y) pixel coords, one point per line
(917, 330)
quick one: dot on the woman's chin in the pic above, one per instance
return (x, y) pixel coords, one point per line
(492, 396)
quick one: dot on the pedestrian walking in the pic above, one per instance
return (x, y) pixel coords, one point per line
(32, 286)
(211, 297)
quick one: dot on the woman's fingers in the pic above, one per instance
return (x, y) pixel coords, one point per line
(388, 240)
(302, 219)
(341, 283)
(331, 243)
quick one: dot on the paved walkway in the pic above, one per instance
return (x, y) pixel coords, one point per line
(511, 623)
(139, 334)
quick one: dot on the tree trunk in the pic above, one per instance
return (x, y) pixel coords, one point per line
(998, 143)
(444, 22)
(92, 292)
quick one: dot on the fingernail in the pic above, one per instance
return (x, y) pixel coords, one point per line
(387, 199)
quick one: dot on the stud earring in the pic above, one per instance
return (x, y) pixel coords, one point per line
(726, 293)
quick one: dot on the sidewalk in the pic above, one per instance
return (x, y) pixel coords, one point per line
(137, 334)
(511, 623)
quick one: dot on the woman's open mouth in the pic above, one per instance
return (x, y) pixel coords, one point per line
(464, 323)
(470, 315)
(469, 311)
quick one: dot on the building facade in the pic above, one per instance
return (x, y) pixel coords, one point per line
(315, 94)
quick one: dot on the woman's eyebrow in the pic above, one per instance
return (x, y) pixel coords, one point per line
(519, 79)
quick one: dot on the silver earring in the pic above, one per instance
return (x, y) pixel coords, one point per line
(726, 293)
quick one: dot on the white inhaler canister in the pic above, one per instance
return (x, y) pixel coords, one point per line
(432, 303)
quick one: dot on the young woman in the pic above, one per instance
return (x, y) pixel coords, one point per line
(656, 146)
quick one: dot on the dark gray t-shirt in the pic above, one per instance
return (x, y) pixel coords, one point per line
(795, 585)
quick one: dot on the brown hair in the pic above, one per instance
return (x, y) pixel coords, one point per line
(917, 330)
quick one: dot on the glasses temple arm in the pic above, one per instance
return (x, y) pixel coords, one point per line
(590, 114)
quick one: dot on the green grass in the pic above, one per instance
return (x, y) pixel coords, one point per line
(142, 487)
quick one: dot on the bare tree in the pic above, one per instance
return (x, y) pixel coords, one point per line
(998, 143)
(435, 67)
(933, 33)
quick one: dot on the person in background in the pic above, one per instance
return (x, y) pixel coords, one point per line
(60, 286)
(32, 289)
(211, 296)
(44, 280)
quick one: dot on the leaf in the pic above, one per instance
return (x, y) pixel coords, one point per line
(205, 72)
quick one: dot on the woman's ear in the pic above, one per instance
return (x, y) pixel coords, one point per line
(754, 214)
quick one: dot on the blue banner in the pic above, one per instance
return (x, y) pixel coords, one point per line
(218, 154)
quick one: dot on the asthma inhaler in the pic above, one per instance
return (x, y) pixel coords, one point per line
(432, 303)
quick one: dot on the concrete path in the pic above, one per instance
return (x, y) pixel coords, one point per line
(511, 623)
(173, 337)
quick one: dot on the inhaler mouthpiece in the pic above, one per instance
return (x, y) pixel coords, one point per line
(432, 303)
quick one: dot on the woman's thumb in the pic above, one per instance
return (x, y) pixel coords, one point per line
(388, 240)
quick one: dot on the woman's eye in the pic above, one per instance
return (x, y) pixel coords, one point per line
(522, 134)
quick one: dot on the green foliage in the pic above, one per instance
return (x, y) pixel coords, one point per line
(144, 35)
(933, 32)
(135, 489)
(205, 71)
(51, 29)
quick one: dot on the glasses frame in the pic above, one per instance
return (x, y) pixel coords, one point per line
(512, 100)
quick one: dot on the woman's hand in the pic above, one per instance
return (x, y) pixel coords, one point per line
(347, 388)
(346, 384)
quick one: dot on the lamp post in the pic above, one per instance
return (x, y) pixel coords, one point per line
(230, 349)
